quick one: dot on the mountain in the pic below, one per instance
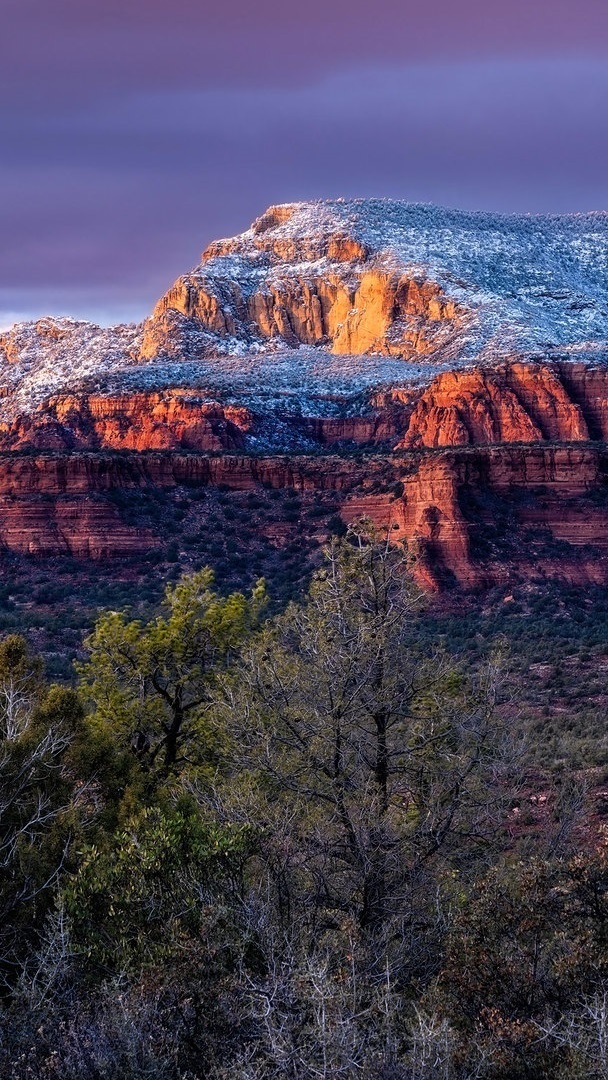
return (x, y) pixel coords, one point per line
(392, 279)
(444, 373)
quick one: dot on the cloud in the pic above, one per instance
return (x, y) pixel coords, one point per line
(67, 50)
(112, 198)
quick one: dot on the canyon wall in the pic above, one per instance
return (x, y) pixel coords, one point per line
(472, 517)
(365, 311)
(485, 473)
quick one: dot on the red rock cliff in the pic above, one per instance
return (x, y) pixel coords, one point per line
(518, 403)
(496, 472)
(170, 420)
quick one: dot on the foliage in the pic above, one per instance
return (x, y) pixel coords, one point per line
(150, 683)
(530, 942)
(38, 809)
(154, 888)
(368, 758)
(263, 849)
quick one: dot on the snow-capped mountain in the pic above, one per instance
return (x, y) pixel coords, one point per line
(318, 304)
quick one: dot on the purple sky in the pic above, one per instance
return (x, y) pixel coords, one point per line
(132, 132)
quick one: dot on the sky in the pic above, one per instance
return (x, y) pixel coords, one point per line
(133, 132)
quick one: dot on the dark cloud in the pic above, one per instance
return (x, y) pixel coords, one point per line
(71, 47)
(132, 133)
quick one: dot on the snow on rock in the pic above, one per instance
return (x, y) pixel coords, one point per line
(319, 304)
(39, 358)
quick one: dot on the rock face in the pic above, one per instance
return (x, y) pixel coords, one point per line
(367, 311)
(472, 517)
(177, 419)
(379, 276)
(518, 403)
(442, 373)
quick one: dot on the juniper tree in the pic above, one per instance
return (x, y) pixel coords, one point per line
(149, 684)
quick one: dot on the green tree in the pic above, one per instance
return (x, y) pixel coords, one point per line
(150, 684)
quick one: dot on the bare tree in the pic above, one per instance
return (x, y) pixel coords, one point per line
(583, 1033)
(36, 793)
(377, 755)
(373, 773)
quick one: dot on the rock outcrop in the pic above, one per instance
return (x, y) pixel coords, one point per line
(366, 311)
(176, 419)
(516, 403)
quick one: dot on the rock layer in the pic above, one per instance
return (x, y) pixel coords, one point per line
(492, 473)
(516, 402)
(544, 507)
(176, 419)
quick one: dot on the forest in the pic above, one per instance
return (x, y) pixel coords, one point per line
(304, 842)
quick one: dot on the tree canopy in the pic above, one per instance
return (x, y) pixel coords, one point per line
(247, 847)
(150, 684)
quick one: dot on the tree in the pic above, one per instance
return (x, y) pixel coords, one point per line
(149, 684)
(368, 760)
(38, 811)
(526, 966)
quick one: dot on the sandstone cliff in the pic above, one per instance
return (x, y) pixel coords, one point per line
(138, 421)
(518, 402)
(485, 474)
(514, 402)
(384, 277)
(471, 516)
